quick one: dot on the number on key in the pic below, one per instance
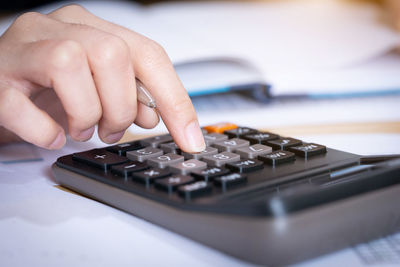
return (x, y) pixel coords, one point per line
(144, 153)
(188, 166)
(231, 145)
(221, 159)
(165, 160)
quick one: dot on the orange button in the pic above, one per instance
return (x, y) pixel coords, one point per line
(220, 127)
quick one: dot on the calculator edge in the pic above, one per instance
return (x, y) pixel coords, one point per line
(319, 227)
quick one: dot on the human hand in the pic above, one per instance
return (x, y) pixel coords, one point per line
(91, 65)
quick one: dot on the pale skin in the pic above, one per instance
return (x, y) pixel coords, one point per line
(68, 71)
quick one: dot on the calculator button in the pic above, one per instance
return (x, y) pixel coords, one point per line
(121, 149)
(144, 154)
(229, 180)
(212, 138)
(283, 143)
(163, 161)
(240, 131)
(220, 127)
(308, 150)
(100, 158)
(195, 189)
(220, 159)
(171, 183)
(209, 173)
(128, 168)
(252, 152)
(148, 176)
(204, 131)
(170, 147)
(206, 152)
(278, 157)
(231, 145)
(260, 138)
(188, 166)
(247, 165)
(156, 140)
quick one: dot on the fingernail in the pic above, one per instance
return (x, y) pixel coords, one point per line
(59, 141)
(112, 138)
(194, 137)
(85, 134)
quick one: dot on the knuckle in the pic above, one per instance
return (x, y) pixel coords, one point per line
(66, 55)
(92, 117)
(153, 53)
(182, 107)
(70, 13)
(120, 121)
(9, 99)
(111, 50)
(27, 19)
(74, 9)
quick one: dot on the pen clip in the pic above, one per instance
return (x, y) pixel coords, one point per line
(144, 96)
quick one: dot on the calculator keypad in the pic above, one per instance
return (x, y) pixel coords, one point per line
(100, 158)
(150, 175)
(170, 147)
(157, 140)
(210, 173)
(195, 189)
(247, 165)
(307, 150)
(206, 152)
(260, 138)
(171, 183)
(128, 168)
(239, 132)
(121, 149)
(230, 180)
(253, 151)
(188, 166)
(144, 154)
(231, 145)
(283, 143)
(221, 159)
(165, 160)
(232, 154)
(212, 138)
(278, 157)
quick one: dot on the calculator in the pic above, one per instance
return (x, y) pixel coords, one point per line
(255, 195)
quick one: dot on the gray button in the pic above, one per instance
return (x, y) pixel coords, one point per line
(188, 166)
(165, 160)
(206, 152)
(214, 137)
(156, 140)
(231, 145)
(252, 152)
(170, 147)
(220, 159)
(144, 153)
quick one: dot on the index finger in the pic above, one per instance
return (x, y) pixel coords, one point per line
(156, 71)
(154, 68)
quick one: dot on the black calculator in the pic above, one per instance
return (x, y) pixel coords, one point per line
(255, 195)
